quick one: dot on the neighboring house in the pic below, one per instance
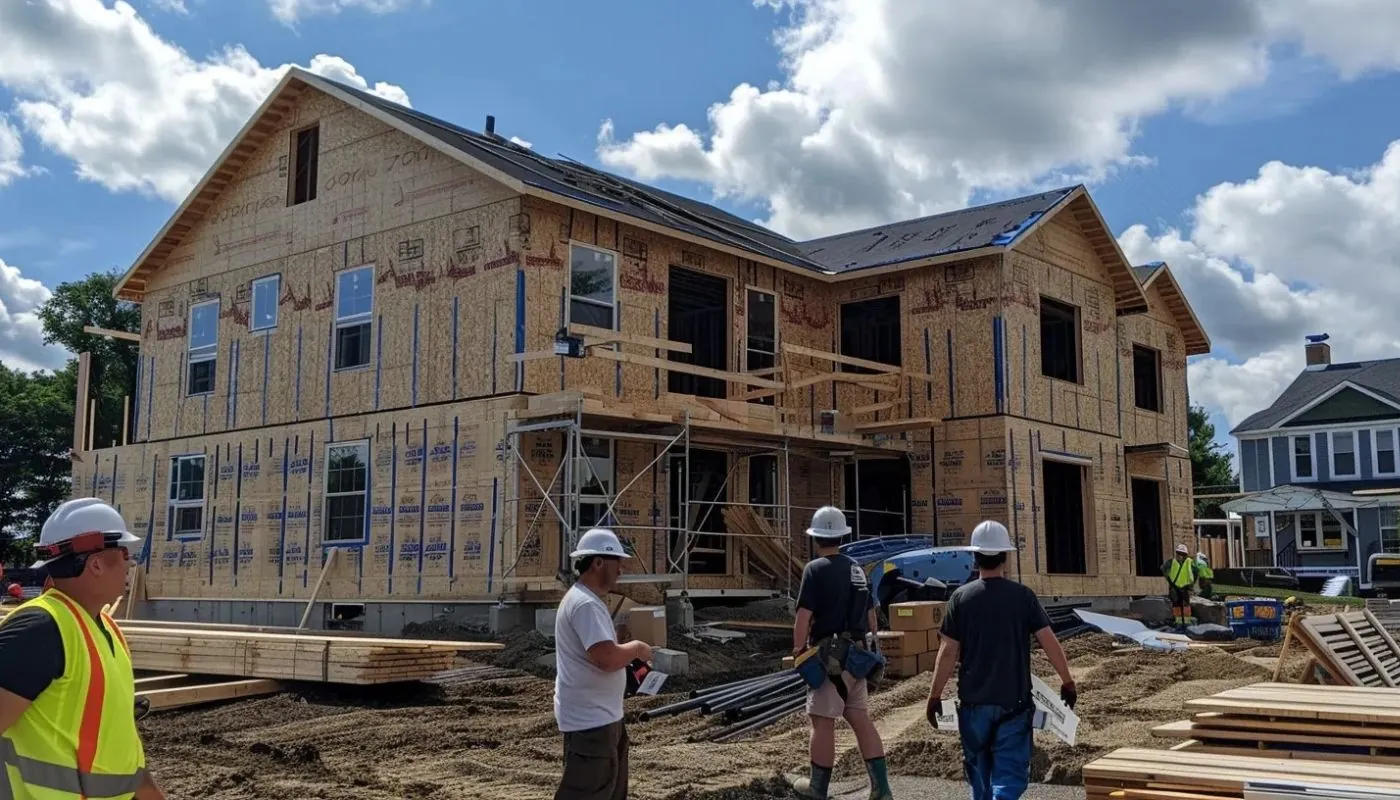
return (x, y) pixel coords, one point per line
(444, 355)
(1319, 467)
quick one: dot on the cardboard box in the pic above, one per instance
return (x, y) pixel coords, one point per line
(927, 660)
(903, 643)
(648, 624)
(902, 667)
(788, 662)
(919, 615)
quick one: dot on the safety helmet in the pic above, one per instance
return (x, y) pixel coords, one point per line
(599, 542)
(1181, 548)
(991, 537)
(829, 523)
(80, 526)
(1201, 557)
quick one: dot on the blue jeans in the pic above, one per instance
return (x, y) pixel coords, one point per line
(1001, 771)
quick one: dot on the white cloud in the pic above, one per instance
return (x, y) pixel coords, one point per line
(289, 11)
(1290, 252)
(21, 334)
(132, 110)
(173, 6)
(11, 152)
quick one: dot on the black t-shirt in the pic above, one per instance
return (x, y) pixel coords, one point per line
(994, 620)
(31, 653)
(830, 586)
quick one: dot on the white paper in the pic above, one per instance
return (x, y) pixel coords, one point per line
(651, 684)
(1051, 714)
(947, 721)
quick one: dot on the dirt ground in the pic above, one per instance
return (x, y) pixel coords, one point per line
(496, 738)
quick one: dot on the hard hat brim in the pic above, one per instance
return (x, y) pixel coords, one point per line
(608, 553)
(991, 550)
(825, 534)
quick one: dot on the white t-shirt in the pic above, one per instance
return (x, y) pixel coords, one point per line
(585, 697)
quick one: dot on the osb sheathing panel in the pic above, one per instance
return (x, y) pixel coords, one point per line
(969, 465)
(434, 488)
(436, 234)
(1158, 330)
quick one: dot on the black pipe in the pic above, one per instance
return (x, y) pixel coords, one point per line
(736, 684)
(762, 721)
(760, 706)
(756, 694)
(699, 699)
(720, 702)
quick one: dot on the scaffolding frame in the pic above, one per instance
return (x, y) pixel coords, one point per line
(676, 440)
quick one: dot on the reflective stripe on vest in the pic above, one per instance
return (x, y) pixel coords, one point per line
(63, 779)
(1180, 570)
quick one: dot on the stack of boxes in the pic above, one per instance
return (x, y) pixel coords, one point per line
(911, 644)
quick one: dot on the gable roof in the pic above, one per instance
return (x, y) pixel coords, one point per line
(1193, 334)
(987, 229)
(1380, 379)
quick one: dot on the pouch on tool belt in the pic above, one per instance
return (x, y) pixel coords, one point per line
(809, 665)
(863, 663)
(834, 652)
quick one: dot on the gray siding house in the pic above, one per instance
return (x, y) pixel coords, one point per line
(1320, 468)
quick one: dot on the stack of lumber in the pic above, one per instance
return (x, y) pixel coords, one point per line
(1193, 775)
(1385, 610)
(1332, 723)
(766, 547)
(1354, 648)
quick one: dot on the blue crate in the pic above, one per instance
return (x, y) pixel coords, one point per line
(1261, 631)
(1256, 610)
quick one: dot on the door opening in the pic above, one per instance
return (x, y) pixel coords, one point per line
(696, 314)
(709, 547)
(879, 494)
(1147, 527)
(1066, 552)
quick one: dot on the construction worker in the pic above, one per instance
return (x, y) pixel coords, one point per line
(1205, 576)
(591, 674)
(1180, 573)
(67, 691)
(836, 614)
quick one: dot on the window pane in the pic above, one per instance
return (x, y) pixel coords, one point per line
(1307, 530)
(1343, 454)
(345, 517)
(1302, 457)
(265, 303)
(204, 326)
(188, 519)
(352, 346)
(761, 322)
(1385, 461)
(346, 470)
(591, 275)
(355, 293)
(583, 313)
(201, 377)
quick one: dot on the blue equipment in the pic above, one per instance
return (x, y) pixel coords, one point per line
(905, 568)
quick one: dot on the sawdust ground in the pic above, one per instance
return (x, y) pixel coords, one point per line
(496, 739)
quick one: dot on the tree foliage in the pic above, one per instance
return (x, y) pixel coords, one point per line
(36, 431)
(1211, 463)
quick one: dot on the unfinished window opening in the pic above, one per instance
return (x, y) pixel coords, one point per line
(187, 497)
(594, 476)
(1147, 527)
(870, 330)
(761, 348)
(204, 348)
(265, 295)
(354, 317)
(347, 492)
(1059, 340)
(879, 493)
(592, 286)
(306, 155)
(1147, 378)
(763, 485)
(1066, 551)
(697, 315)
(709, 547)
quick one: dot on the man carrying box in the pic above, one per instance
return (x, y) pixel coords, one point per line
(836, 617)
(986, 633)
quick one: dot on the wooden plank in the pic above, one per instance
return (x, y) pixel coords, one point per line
(1366, 650)
(124, 335)
(183, 696)
(891, 425)
(80, 404)
(603, 336)
(690, 369)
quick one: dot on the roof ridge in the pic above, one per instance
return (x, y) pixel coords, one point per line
(1063, 192)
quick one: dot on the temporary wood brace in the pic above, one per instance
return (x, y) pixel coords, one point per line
(124, 335)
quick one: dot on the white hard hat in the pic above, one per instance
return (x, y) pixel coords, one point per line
(829, 523)
(1181, 548)
(1201, 557)
(84, 515)
(599, 542)
(991, 537)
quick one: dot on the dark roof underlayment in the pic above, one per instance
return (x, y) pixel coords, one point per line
(1144, 272)
(1379, 377)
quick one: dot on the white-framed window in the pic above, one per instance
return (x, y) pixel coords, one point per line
(1321, 530)
(1344, 461)
(592, 286)
(187, 497)
(594, 475)
(1390, 529)
(204, 348)
(1383, 452)
(265, 294)
(354, 317)
(1304, 464)
(347, 492)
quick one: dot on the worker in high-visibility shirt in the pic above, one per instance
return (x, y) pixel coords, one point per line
(67, 691)
(1205, 576)
(1180, 572)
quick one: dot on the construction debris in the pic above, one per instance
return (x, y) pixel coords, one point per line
(1194, 775)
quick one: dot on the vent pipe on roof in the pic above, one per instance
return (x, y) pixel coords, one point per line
(1317, 353)
(490, 125)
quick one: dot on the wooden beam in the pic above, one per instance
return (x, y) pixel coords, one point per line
(893, 425)
(876, 407)
(604, 336)
(689, 369)
(80, 404)
(95, 331)
(797, 349)
(181, 696)
(320, 580)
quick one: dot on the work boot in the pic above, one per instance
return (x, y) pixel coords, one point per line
(815, 787)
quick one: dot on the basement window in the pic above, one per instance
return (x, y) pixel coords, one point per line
(187, 497)
(761, 353)
(347, 492)
(1059, 340)
(1147, 378)
(592, 286)
(306, 147)
(870, 331)
(204, 348)
(265, 292)
(354, 312)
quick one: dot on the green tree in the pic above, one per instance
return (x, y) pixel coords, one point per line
(112, 374)
(1211, 463)
(36, 431)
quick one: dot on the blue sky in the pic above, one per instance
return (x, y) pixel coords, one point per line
(855, 112)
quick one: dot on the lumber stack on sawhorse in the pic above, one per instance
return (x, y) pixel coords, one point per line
(1193, 775)
(1353, 648)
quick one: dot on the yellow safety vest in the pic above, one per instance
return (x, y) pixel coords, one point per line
(78, 739)
(1204, 572)
(1181, 574)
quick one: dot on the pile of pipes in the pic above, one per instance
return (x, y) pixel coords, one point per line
(743, 706)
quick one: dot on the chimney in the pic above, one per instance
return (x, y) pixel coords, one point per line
(490, 125)
(1318, 353)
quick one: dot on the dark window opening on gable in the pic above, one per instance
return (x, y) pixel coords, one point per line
(1059, 340)
(1147, 378)
(697, 314)
(870, 331)
(305, 158)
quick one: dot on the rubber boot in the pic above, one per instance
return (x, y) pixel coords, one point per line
(816, 786)
(879, 779)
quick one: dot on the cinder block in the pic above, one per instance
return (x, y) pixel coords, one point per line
(671, 662)
(504, 619)
(544, 621)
